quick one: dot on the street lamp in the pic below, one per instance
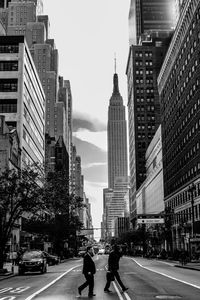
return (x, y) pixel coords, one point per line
(191, 190)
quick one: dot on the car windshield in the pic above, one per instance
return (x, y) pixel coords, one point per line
(31, 255)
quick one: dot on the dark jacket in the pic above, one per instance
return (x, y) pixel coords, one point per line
(88, 264)
(113, 260)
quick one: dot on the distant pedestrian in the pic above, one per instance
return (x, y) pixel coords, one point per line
(113, 267)
(183, 257)
(89, 270)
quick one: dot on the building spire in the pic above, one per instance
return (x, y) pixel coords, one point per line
(115, 63)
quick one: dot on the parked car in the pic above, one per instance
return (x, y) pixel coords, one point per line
(51, 259)
(32, 261)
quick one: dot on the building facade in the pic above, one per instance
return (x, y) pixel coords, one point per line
(150, 195)
(143, 67)
(179, 89)
(145, 16)
(22, 99)
(117, 205)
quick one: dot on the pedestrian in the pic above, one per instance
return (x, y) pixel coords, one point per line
(89, 270)
(113, 267)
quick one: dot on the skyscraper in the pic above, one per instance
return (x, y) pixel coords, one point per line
(154, 15)
(150, 33)
(22, 98)
(117, 136)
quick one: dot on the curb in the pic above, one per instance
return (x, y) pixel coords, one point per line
(3, 277)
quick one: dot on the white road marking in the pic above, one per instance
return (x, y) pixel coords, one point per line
(182, 281)
(4, 290)
(119, 293)
(20, 289)
(117, 290)
(49, 284)
(8, 298)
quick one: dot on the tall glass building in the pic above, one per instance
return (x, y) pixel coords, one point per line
(154, 15)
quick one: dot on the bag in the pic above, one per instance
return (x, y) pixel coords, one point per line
(110, 276)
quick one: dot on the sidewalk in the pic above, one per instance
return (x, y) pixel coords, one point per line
(12, 271)
(195, 265)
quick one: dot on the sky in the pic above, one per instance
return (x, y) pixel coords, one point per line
(88, 35)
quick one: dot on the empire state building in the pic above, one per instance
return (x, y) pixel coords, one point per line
(117, 136)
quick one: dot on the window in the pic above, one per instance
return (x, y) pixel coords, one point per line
(8, 65)
(8, 106)
(9, 48)
(8, 85)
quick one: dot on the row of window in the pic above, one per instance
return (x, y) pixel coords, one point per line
(182, 60)
(190, 154)
(9, 48)
(184, 107)
(181, 180)
(32, 145)
(149, 118)
(186, 215)
(184, 197)
(179, 92)
(32, 125)
(141, 54)
(142, 100)
(185, 121)
(184, 143)
(8, 85)
(8, 105)
(147, 108)
(8, 65)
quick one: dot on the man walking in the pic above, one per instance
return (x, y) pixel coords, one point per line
(113, 266)
(89, 270)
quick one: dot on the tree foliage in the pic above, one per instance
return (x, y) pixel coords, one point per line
(20, 192)
(61, 220)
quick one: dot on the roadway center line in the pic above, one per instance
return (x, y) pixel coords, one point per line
(182, 281)
(119, 294)
(117, 290)
(49, 284)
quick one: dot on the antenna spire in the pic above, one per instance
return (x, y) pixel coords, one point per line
(115, 63)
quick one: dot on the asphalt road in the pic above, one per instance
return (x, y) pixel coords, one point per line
(146, 280)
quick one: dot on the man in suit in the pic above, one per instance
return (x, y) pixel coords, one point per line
(113, 266)
(89, 270)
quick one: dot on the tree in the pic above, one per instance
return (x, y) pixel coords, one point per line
(20, 192)
(62, 209)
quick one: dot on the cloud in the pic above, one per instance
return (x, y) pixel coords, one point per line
(99, 139)
(91, 165)
(91, 146)
(96, 173)
(83, 121)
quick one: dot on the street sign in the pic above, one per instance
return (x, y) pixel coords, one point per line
(194, 239)
(150, 221)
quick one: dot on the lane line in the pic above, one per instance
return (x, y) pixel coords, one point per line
(182, 281)
(49, 284)
(117, 290)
